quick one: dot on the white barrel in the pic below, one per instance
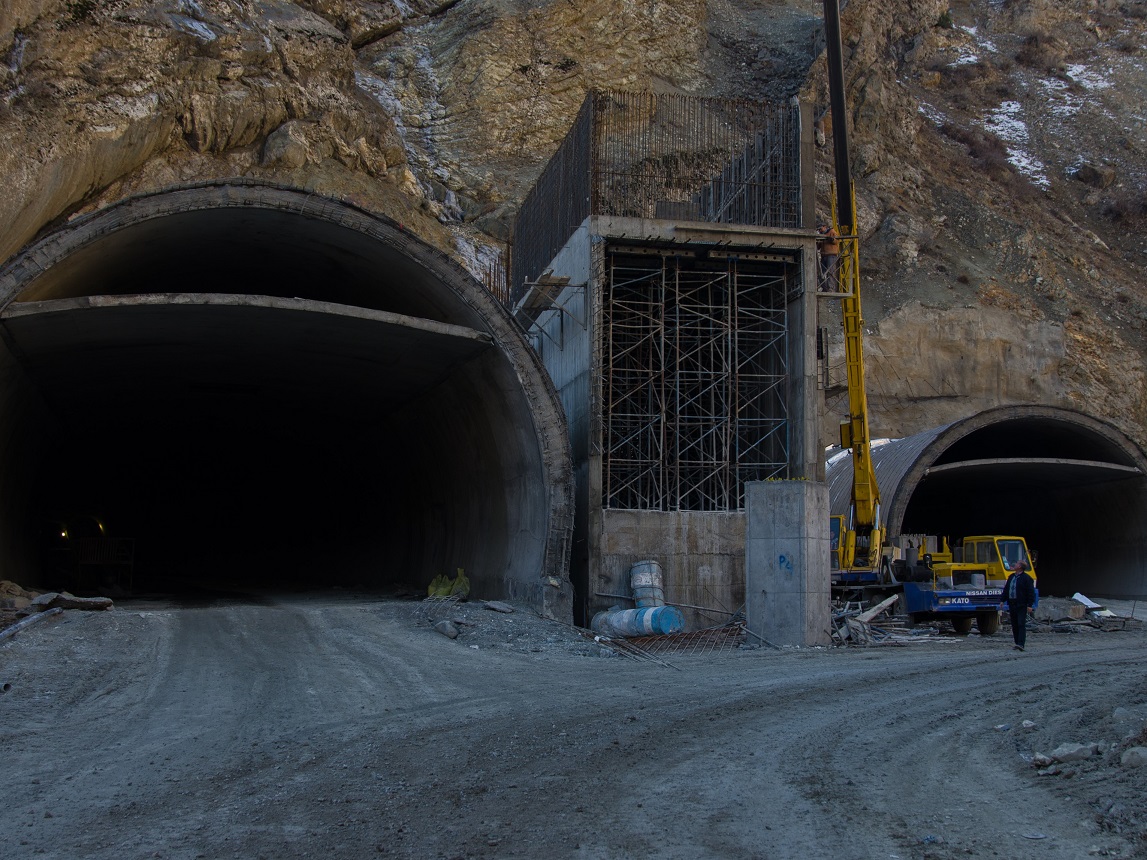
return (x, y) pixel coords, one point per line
(648, 584)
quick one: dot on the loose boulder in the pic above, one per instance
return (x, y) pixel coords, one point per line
(1073, 752)
(1095, 175)
(447, 629)
(1134, 757)
(64, 600)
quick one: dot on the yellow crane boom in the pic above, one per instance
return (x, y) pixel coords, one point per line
(861, 536)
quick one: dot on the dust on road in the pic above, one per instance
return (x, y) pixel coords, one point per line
(341, 727)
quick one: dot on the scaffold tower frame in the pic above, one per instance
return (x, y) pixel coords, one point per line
(694, 378)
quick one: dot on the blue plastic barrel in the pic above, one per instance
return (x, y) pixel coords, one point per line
(648, 584)
(654, 620)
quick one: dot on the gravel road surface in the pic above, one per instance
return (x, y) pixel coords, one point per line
(335, 726)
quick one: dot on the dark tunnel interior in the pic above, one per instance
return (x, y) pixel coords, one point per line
(248, 444)
(1075, 495)
(1034, 438)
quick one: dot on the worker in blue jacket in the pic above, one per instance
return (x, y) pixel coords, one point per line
(1021, 598)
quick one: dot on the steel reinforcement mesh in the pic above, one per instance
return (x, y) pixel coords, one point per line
(689, 158)
(663, 156)
(557, 204)
(694, 380)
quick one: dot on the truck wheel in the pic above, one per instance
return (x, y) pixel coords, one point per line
(988, 623)
(962, 625)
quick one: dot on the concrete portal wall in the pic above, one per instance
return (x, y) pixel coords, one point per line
(702, 555)
(787, 585)
(805, 453)
(562, 338)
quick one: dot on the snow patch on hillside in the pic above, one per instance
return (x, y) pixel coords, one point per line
(936, 117)
(1090, 78)
(1006, 123)
(1060, 101)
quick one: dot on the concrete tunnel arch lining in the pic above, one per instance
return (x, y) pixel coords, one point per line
(330, 260)
(1074, 486)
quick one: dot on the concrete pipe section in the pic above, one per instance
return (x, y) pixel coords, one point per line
(264, 388)
(1074, 487)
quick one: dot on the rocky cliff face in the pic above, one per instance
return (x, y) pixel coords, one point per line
(1002, 187)
(999, 147)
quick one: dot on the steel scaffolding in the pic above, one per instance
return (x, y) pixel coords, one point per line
(694, 379)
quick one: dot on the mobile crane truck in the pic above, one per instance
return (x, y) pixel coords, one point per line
(960, 590)
(961, 585)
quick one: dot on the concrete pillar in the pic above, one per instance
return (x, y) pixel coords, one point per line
(787, 586)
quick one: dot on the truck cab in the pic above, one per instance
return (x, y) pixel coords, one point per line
(965, 584)
(997, 553)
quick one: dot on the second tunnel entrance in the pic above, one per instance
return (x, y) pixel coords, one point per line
(1073, 486)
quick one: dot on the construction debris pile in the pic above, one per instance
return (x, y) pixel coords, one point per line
(489, 625)
(853, 623)
(21, 607)
(13, 598)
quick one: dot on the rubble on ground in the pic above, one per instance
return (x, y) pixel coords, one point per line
(498, 625)
(17, 602)
(1094, 758)
(1066, 753)
(1134, 757)
(66, 600)
(13, 599)
(12, 596)
(854, 623)
(494, 625)
(1074, 614)
(1059, 609)
(858, 623)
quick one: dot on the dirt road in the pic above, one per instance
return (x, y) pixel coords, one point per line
(340, 728)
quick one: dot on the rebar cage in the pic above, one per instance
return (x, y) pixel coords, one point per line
(694, 378)
(664, 156)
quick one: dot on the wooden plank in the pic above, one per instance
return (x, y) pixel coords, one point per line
(869, 614)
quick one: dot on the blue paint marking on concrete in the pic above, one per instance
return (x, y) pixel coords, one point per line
(786, 563)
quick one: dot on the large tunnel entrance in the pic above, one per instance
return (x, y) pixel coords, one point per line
(266, 388)
(1074, 487)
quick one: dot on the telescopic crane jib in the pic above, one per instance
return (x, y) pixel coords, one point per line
(857, 539)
